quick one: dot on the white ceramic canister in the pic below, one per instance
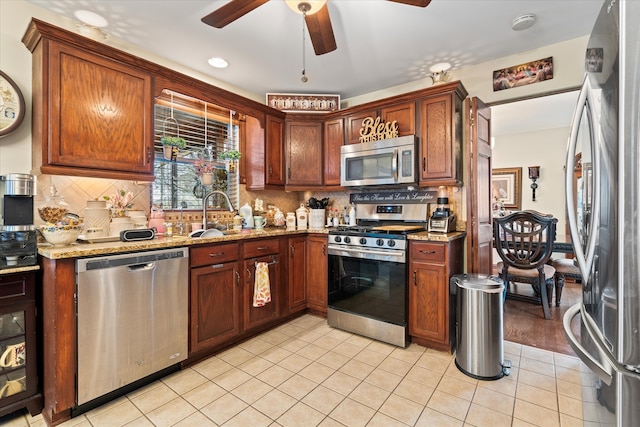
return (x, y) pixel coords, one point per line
(119, 224)
(316, 218)
(301, 216)
(97, 217)
(291, 221)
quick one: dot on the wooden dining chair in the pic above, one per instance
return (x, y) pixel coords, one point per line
(565, 268)
(524, 242)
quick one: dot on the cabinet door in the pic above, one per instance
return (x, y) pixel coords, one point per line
(274, 166)
(19, 361)
(215, 306)
(317, 274)
(404, 114)
(428, 302)
(304, 153)
(436, 145)
(297, 270)
(333, 140)
(100, 116)
(256, 316)
(353, 124)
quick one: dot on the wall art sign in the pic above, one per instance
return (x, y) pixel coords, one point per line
(417, 196)
(11, 105)
(506, 187)
(301, 103)
(377, 130)
(523, 74)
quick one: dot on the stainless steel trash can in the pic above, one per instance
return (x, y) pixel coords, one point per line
(479, 328)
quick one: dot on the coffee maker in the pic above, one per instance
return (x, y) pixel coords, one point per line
(18, 239)
(442, 220)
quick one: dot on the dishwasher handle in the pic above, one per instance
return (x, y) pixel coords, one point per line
(137, 267)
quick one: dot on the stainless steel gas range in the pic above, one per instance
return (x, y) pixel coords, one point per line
(368, 271)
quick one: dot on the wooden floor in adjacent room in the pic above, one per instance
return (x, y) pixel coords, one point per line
(524, 322)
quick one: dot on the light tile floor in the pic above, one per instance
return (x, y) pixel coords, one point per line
(306, 373)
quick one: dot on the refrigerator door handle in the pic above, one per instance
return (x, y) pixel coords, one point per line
(606, 375)
(584, 256)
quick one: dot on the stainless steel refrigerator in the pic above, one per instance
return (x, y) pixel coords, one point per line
(604, 217)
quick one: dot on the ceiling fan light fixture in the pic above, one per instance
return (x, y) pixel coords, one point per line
(440, 67)
(218, 62)
(308, 7)
(91, 18)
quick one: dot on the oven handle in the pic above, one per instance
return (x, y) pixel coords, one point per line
(399, 254)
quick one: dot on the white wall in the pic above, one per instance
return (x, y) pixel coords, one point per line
(546, 149)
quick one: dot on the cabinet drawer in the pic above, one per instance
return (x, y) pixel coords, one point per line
(428, 252)
(261, 247)
(214, 254)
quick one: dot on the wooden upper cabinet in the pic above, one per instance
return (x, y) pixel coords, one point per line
(304, 153)
(92, 115)
(353, 123)
(440, 133)
(404, 114)
(274, 159)
(333, 140)
(254, 154)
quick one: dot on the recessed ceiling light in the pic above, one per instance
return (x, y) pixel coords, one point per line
(218, 62)
(523, 22)
(91, 18)
(440, 66)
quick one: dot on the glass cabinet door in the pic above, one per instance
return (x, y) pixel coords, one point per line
(13, 353)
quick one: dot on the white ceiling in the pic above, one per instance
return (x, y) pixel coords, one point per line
(380, 43)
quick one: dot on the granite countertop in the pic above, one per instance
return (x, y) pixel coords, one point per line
(79, 250)
(83, 249)
(19, 269)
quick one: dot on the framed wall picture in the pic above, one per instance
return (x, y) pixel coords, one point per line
(506, 186)
(11, 105)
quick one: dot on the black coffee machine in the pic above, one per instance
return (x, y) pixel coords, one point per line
(442, 220)
(18, 239)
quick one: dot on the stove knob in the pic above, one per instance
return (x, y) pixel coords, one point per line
(380, 242)
(338, 239)
(392, 243)
(347, 239)
(363, 241)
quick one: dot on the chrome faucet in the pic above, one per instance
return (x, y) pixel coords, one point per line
(204, 205)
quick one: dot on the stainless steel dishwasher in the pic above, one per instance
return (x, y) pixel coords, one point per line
(132, 318)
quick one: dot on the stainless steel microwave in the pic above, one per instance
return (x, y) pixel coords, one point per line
(385, 162)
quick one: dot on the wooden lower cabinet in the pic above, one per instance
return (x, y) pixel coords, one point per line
(316, 274)
(431, 308)
(214, 296)
(19, 383)
(254, 317)
(296, 272)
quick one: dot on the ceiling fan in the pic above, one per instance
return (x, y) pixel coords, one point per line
(316, 15)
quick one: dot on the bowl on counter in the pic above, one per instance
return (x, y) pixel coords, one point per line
(61, 235)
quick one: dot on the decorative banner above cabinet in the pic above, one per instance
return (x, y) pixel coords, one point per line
(301, 103)
(376, 130)
(409, 196)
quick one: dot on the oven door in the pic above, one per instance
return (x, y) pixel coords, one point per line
(368, 282)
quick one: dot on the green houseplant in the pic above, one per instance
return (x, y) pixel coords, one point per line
(231, 159)
(171, 145)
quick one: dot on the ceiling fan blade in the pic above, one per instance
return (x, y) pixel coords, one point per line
(321, 31)
(419, 3)
(231, 11)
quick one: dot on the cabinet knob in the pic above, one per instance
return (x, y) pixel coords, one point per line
(270, 170)
(216, 254)
(427, 252)
(324, 250)
(293, 250)
(424, 163)
(415, 280)
(237, 278)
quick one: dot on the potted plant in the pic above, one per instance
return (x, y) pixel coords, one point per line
(205, 171)
(168, 144)
(230, 157)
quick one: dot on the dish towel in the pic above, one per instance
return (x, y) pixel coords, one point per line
(262, 288)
